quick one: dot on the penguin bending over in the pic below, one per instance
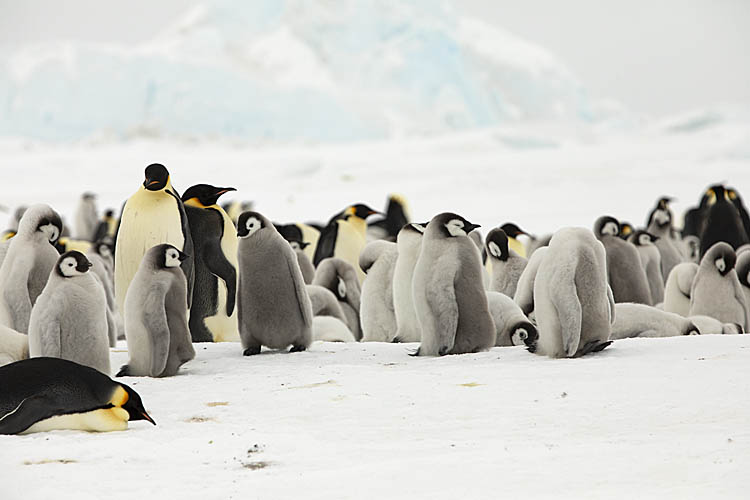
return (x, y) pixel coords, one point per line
(507, 265)
(651, 261)
(640, 320)
(511, 324)
(273, 305)
(69, 319)
(625, 272)
(677, 289)
(573, 303)
(30, 259)
(156, 316)
(213, 316)
(44, 394)
(513, 232)
(376, 311)
(339, 277)
(449, 298)
(524, 296)
(408, 245)
(325, 303)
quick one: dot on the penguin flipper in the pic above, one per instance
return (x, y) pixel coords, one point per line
(188, 265)
(611, 302)
(569, 312)
(219, 265)
(593, 346)
(442, 320)
(158, 329)
(300, 289)
(31, 410)
(326, 243)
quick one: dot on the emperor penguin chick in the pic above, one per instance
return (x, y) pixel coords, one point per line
(273, 306)
(69, 319)
(574, 305)
(651, 261)
(511, 324)
(743, 272)
(100, 256)
(507, 265)
(716, 290)
(377, 317)
(86, 217)
(305, 264)
(156, 316)
(640, 320)
(524, 296)
(710, 326)
(677, 289)
(408, 244)
(449, 297)
(339, 277)
(625, 273)
(14, 346)
(30, 259)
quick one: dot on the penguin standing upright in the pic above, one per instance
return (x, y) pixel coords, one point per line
(305, 264)
(86, 218)
(106, 227)
(736, 200)
(624, 269)
(213, 314)
(651, 260)
(301, 232)
(100, 257)
(409, 245)
(345, 236)
(722, 221)
(153, 215)
(396, 215)
(376, 312)
(660, 225)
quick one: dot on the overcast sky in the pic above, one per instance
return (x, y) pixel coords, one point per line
(654, 56)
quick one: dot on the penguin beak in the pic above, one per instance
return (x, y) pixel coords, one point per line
(147, 417)
(224, 190)
(183, 257)
(472, 227)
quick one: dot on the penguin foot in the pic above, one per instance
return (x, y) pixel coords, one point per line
(443, 351)
(396, 340)
(250, 351)
(593, 346)
(298, 348)
(124, 371)
(414, 353)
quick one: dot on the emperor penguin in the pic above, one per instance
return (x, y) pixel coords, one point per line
(325, 303)
(743, 272)
(716, 290)
(376, 312)
(345, 236)
(691, 249)
(507, 265)
(330, 329)
(304, 262)
(722, 221)
(710, 326)
(396, 216)
(100, 257)
(511, 324)
(677, 289)
(660, 225)
(408, 245)
(213, 316)
(574, 305)
(69, 319)
(736, 200)
(153, 215)
(626, 275)
(651, 261)
(30, 259)
(106, 227)
(156, 316)
(626, 230)
(273, 305)
(86, 218)
(640, 320)
(44, 394)
(340, 278)
(513, 232)
(449, 297)
(301, 232)
(524, 295)
(14, 346)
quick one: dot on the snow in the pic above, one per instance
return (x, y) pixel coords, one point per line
(647, 418)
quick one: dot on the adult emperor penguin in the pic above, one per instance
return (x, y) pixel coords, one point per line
(626, 229)
(574, 305)
(651, 261)
(677, 289)
(339, 277)
(722, 221)
(507, 265)
(213, 316)
(152, 216)
(69, 319)
(396, 215)
(743, 272)
(662, 215)
(273, 306)
(106, 227)
(716, 290)
(345, 236)
(626, 275)
(30, 259)
(736, 200)
(513, 232)
(660, 224)
(640, 320)
(511, 324)
(304, 262)
(301, 232)
(156, 317)
(376, 312)
(44, 394)
(408, 244)
(86, 217)
(449, 298)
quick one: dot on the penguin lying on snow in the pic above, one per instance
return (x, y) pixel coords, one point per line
(44, 394)
(640, 320)
(710, 326)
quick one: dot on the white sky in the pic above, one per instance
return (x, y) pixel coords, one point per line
(655, 56)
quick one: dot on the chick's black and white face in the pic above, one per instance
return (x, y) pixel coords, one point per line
(644, 239)
(72, 264)
(341, 289)
(253, 224)
(455, 227)
(50, 230)
(721, 265)
(494, 249)
(610, 228)
(171, 258)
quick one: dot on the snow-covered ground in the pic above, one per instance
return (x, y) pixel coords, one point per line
(646, 418)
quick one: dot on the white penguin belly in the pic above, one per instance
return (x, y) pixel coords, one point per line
(102, 420)
(225, 328)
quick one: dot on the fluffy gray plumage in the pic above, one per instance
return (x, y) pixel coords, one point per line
(14, 346)
(573, 304)
(507, 265)
(651, 262)
(338, 276)
(524, 295)
(376, 311)
(114, 320)
(625, 273)
(325, 303)
(661, 227)
(511, 324)
(677, 289)
(305, 266)
(640, 320)
(710, 326)
(86, 217)
(409, 244)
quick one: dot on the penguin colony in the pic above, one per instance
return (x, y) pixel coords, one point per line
(175, 269)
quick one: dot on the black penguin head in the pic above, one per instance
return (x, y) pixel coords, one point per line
(51, 226)
(497, 244)
(512, 230)
(157, 177)
(290, 232)
(359, 210)
(717, 194)
(205, 194)
(109, 213)
(88, 196)
(524, 333)
(626, 229)
(642, 238)
(298, 245)
(71, 264)
(606, 226)
(134, 406)
(452, 225)
(249, 223)
(168, 256)
(692, 329)
(664, 202)
(722, 256)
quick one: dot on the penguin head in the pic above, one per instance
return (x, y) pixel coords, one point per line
(109, 213)
(497, 244)
(249, 223)
(44, 220)
(642, 238)
(157, 177)
(204, 195)
(298, 245)
(692, 329)
(88, 196)
(71, 264)
(134, 406)
(103, 248)
(606, 226)
(512, 230)
(452, 225)
(524, 333)
(716, 194)
(721, 255)
(626, 229)
(169, 256)
(359, 210)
